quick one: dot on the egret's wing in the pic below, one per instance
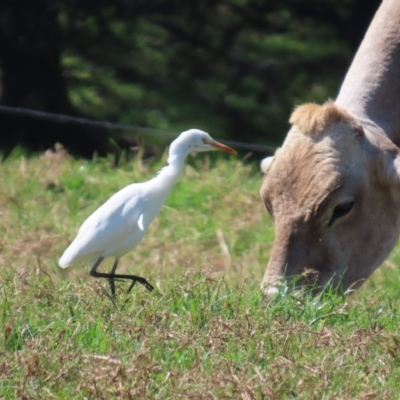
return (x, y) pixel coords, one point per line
(140, 222)
(109, 224)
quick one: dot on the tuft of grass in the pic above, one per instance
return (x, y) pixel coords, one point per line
(206, 332)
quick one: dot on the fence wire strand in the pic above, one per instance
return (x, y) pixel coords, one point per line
(62, 118)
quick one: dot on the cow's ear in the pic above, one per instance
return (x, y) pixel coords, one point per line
(266, 163)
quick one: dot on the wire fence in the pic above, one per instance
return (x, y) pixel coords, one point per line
(62, 118)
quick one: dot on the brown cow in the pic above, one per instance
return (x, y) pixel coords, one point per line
(333, 188)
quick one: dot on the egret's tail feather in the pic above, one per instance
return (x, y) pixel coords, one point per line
(70, 257)
(63, 262)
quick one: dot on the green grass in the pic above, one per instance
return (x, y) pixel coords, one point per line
(206, 332)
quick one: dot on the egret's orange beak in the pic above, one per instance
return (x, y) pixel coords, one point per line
(220, 146)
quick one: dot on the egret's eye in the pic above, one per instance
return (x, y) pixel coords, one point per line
(341, 210)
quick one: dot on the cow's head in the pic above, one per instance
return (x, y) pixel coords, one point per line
(333, 191)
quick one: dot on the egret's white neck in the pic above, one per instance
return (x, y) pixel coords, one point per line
(176, 163)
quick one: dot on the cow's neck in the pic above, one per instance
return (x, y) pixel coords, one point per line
(371, 89)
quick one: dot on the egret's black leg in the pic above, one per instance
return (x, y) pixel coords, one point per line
(132, 285)
(113, 276)
(111, 281)
(93, 271)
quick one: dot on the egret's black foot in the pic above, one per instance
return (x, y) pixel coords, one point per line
(143, 281)
(112, 276)
(118, 277)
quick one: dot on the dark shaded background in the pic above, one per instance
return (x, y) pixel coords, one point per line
(234, 67)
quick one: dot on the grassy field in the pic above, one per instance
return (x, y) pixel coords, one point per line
(206, 332)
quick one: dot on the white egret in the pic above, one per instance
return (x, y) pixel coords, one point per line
(120, 223)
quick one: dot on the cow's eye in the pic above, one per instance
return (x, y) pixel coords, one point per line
(341, 210)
